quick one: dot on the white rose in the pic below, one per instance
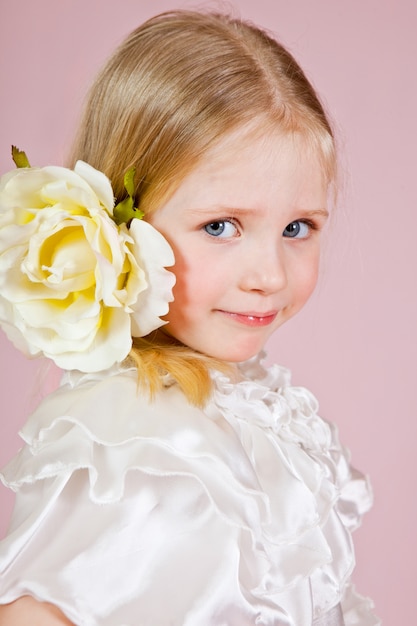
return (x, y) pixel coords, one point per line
(74, 286)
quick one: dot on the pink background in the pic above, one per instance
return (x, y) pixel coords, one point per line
(354, 345)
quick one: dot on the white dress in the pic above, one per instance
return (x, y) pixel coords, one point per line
(133, 512)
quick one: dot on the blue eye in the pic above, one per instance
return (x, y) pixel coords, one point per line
(221, 229)
(297, 230)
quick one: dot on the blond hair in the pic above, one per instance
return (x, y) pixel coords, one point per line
(170, 92)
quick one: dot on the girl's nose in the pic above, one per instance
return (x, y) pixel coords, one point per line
(264, 271)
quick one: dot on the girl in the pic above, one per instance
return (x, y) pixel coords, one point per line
(185, 484)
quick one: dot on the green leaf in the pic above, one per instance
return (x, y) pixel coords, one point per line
(125, 211)
(19, 157)
(129, 182)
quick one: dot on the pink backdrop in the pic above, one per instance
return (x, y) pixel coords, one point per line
(354, 345)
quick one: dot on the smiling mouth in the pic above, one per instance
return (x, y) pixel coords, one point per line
(252, 319)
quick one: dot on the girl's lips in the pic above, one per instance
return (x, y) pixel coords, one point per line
(254, 319)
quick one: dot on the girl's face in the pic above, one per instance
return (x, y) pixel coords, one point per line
(245, 226)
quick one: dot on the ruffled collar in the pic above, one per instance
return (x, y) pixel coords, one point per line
(265, 397)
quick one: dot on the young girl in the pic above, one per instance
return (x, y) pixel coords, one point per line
(176, 481)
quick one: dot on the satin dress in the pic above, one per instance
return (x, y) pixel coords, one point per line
(139, 512)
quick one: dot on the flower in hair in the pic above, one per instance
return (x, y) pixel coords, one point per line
(78, 276)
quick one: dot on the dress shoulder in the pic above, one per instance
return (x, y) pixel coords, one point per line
(106, 426)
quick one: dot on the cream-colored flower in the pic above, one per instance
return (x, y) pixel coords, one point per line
(74, 286)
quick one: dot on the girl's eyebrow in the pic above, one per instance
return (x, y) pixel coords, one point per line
(232, 211)
(324, 213)
(222, 210)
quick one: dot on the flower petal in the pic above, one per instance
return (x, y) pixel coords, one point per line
(153, 253)
(98, 182)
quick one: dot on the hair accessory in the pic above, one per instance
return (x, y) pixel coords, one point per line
(78, 276)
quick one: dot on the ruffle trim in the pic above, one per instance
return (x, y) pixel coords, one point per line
(265, 396)
(292, 494)
(328, 497)
(358, 610)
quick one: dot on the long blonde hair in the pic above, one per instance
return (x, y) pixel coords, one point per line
(171, 91)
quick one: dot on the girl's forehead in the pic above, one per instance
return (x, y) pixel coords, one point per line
(243, 155)
(272, 144)
(252, 171)
(254, 146)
